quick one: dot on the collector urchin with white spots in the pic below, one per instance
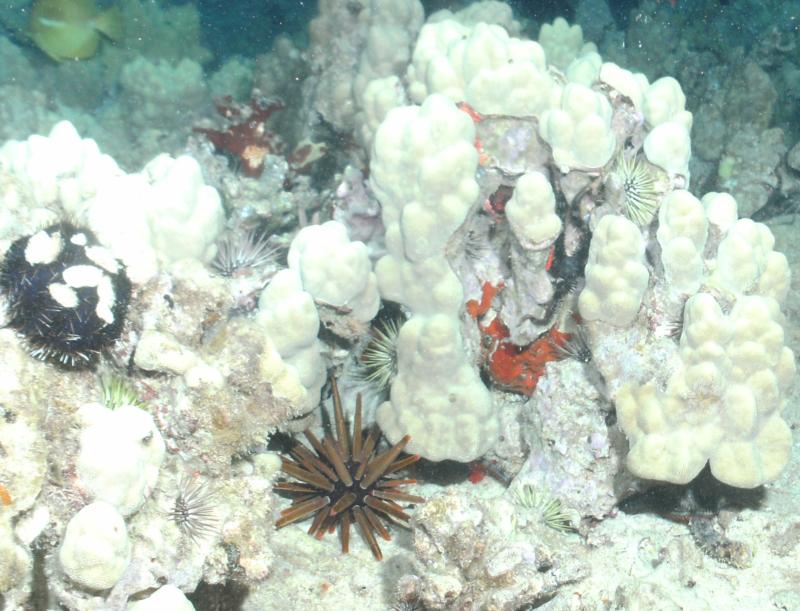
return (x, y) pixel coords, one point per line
(67, 295)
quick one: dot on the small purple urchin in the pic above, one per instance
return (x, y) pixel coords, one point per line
(346, 482)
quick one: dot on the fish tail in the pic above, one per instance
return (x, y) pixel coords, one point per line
(110, 23)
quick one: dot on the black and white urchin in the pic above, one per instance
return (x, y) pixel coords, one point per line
(247, 250)
(379, 358)
(67, 295)
(193, 510)
(640, 197)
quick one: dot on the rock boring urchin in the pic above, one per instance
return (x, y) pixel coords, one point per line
(640, 198)
(346, 482)
(193, 510)
(240, 251)
(67, 295)
(575, 346)
(379, 358)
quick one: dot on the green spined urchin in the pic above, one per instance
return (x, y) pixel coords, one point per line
(118, 392)
(638, 185)
(550, 511)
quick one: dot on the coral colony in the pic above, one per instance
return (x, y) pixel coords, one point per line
(67, 295)
(499, 263)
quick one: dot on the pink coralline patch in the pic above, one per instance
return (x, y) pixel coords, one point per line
(473, 114)
(246, 137)
(476, 117)
(513, 367)
(477, 471)
(495, 204)
(478, 309)
(518, 368)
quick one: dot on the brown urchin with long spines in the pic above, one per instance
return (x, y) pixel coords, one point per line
(346, 482)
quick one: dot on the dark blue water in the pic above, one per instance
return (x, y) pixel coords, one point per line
(248, 27)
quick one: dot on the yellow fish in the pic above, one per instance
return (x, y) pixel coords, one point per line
(70, 29)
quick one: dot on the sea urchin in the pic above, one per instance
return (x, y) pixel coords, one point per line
(117, 392)
(379, 358)
(67, 295)
(639, 189)
(549, 509)
(242, 251)
(193, 510)
(346, 482)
